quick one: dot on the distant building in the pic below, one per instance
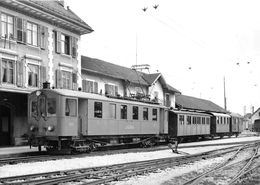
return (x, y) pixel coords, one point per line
(39, 41)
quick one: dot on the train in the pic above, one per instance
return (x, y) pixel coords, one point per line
(76, 121)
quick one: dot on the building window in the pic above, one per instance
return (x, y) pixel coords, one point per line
(32, 33)
(66, 79)
(112, 111)
(135, 112)
(7, 71)
(111, 89)
(123, 112)
(98, 109)
(33, 75)
(7, 26)
(155, 115)
(90, 86)
(65, 44)
(71, 107)
(145, 113)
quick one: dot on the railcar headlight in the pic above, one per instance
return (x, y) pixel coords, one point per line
(50, 128)
(33, 128)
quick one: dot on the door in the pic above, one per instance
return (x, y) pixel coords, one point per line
(5, 134)
(83, 116)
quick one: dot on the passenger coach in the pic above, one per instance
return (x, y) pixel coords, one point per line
(188, 124)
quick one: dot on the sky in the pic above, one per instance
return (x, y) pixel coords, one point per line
(194, 44)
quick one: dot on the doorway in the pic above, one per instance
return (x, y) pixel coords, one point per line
(5, 125)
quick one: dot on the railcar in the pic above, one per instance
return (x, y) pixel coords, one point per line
(188, 124)
(220, 124)
(236, 124)
(69, 120)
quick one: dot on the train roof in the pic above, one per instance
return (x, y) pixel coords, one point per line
(220, 114)
(190, 112)
(80, 94)
(235, 115)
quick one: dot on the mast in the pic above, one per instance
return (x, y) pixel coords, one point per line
(225, 99)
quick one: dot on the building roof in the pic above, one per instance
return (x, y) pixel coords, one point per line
(115, 71)
(189, 102)
(171, 89)
(119, 72)
(51, 11)
(151, 78)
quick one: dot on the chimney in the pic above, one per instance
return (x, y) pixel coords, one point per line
(252, 109)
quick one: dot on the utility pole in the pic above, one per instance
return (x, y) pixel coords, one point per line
(225, 99)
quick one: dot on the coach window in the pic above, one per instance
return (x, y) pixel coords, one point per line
(207, 121)
(70, 108)
(145, 113)
(194, 120)
(181, 119)
(112, 110)
(98, 109)
(51, 107)
(203, 120)
(188, 120)
(135, 112)
(217, 118)
(155, 115)
(123, 112)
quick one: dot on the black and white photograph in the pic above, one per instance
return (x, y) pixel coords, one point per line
(129, 92)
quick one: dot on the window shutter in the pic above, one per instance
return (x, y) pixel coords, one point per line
(106, 89)
(116, 90)
(74, 47)
(39, 33)
(43, 37)
(19, 73)
(74, 81)
(24, 23)
(58, 42)
(58, 79)
(84, 85)
(95, 87)
(43, 73)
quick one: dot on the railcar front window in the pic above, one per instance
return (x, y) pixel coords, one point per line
(71, 107)
(34, 110)
(51, 107)
(42, 105)
(98, 109)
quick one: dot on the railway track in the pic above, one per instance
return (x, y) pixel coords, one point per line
(104, 174)
(43, 156)
(229, 171)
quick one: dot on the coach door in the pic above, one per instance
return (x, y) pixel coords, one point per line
(5, 125)
(83, 116)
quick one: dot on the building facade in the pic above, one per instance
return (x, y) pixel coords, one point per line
(39, 41)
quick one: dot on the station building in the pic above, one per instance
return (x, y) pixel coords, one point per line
(39, 41)
(109, 79)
